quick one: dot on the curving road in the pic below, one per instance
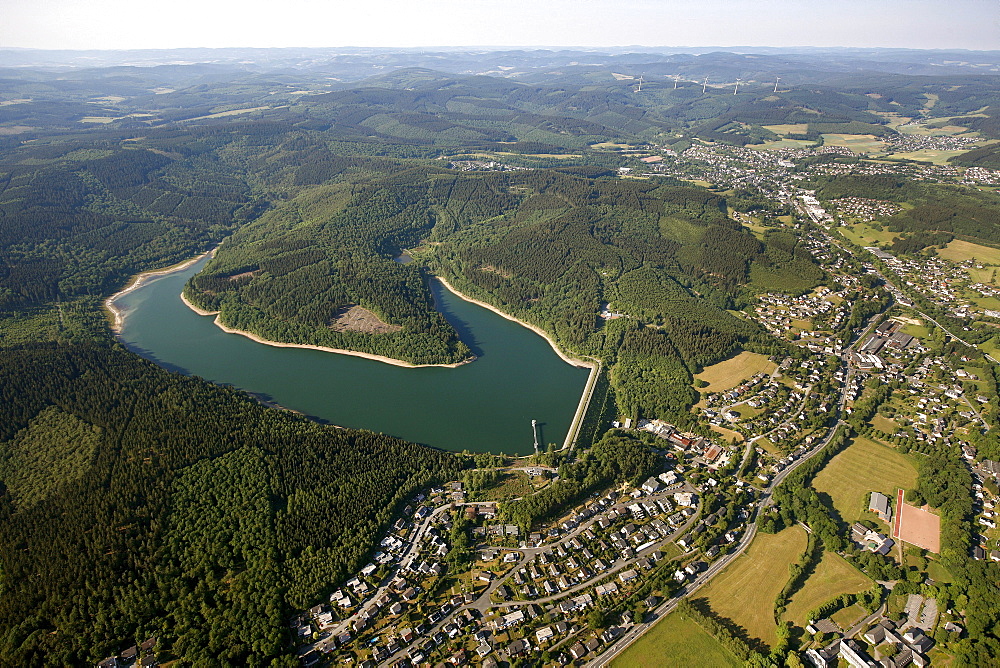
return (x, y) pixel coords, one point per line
(638, 630)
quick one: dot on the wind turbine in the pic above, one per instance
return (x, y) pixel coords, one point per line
(639, 89)
(675, 84)
(736, 90)
(704, 86)
(776, 80)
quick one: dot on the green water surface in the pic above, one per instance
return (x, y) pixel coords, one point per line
(485, 406)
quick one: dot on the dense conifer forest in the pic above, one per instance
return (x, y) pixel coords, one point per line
(136, 502)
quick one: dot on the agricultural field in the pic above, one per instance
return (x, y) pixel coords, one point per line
(857, 143)
(788, 128)
(675, 641)
(865, 466)
(934, 156)
(959, 251)
(783, 143)
(833, 577)
(863, 234)
(745, 591)
(733, 371)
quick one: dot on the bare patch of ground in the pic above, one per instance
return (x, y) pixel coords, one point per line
(357, 319)
(245, 274)
(496, 270)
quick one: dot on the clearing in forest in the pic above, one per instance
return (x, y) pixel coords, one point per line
(675, 641)
(358, 319)
(733, 371)
(865, 466)
(745, 591)
(833, 576)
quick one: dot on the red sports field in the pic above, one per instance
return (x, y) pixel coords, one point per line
(916, 526)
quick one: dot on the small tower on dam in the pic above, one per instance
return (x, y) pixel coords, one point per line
(534, 430)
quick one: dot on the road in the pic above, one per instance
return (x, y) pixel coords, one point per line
(665, 608)
(484, 602)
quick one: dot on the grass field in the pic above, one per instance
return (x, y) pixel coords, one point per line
(729, 434)
(940, 658)
(845, 618)
(865, 235)
(928, 130)
(865, 466)
(557, 156)
(959, 251)
(985, 275)
(783, 143)
(788, 128)
(733, 371)
(675, 641)
(934, 156)
(857, 143)
(769, 446)
(991, 347)
(884, 424)
(513, 484)
(833, 577)
(745, 591)
(991, 303)
(921, 332)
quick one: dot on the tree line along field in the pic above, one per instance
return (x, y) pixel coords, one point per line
(676, 641)
(959, 251)
(746, 590)
(833, 576)
(743, 594)
(863, 467)
(729, 373)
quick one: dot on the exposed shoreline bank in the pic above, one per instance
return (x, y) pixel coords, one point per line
(140, 280)
(537, 330)
(340, 351)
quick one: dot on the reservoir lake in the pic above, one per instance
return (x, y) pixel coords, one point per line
(485, 406)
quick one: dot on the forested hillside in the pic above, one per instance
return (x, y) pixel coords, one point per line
(547, 246)
(76, 219)
(137, 502)
(936, 212)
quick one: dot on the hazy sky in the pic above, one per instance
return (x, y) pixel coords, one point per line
(105, 24)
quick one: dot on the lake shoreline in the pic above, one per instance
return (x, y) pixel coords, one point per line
(339, 351)
(537, 330)
(139, 280)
